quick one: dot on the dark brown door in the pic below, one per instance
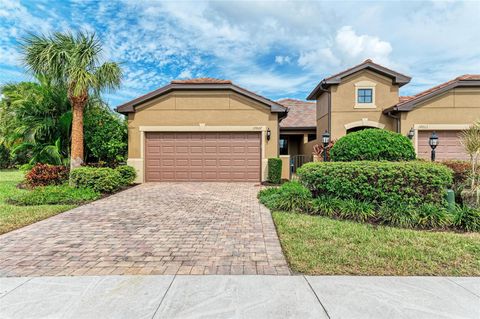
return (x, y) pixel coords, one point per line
(209, 156)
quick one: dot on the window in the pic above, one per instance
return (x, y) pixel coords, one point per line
(312, 137)
(365, 96)
(283, 146)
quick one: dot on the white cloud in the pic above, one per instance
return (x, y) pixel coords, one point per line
(283, 59)
(347, 48)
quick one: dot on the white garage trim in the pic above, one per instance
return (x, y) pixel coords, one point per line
(438, 127)
(139, 163)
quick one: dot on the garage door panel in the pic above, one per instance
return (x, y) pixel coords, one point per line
(449, 147)
(205, 156)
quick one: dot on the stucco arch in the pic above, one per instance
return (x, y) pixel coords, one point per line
(364, 122)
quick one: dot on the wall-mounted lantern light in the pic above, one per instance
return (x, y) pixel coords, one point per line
(411, 133)
(433, 142)
(269, 134)
(326, 141)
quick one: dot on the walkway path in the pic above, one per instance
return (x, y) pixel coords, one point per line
(239, 297)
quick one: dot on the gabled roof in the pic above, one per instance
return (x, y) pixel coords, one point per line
(301, 114)
(397, 78)
(203, 84)
(406, 104)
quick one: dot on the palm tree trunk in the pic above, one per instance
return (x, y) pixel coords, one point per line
(76, 157)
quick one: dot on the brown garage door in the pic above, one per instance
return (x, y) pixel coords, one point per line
(449, 147)
(209, 156)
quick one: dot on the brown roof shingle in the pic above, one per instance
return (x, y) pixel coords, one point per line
(465, 77)
(301, 114)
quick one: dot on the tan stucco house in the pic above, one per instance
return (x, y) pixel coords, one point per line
(367, 95)
(214, 130)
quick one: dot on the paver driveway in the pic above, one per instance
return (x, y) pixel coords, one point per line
(154, 228)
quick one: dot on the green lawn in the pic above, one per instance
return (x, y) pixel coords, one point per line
(317, 245)
(13, 217)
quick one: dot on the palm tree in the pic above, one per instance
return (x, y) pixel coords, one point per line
(72, 61)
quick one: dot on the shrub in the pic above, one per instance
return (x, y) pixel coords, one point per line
(25, 167)
(44, 174)
(54, 195)
(127, 173)
(344, 208)
(290, 197)
(373, 145)
(103, 180)
(274, 170)
(412, 183)
(467, 218)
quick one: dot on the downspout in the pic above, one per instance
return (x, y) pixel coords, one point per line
(397, 121)
(329, 107)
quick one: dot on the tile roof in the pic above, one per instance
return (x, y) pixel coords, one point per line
(202, 81)
(300, 113)
(465, 77)
(367, 61)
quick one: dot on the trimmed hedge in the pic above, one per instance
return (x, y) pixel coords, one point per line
(412, 183)
(54, 195)
(274, 170)
(128, 174)
(373, 145)
(103, 180)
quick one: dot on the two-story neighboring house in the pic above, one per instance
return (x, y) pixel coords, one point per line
(367, 96)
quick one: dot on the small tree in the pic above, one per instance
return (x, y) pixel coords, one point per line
(470, 140)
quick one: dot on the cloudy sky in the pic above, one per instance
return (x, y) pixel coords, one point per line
(276, 48)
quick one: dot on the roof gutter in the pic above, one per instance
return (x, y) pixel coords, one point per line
(397, 120)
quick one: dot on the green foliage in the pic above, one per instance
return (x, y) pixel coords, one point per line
(25, 167)
(35, 121)
(274, 170)
(71, 60)
(467, 218)
(103, 179)
(291, 196)
(461, 176)
(44, 174)
(5, 161)
(54, 195)
(127, 173)
(373, 145)
(105, 135)
(412, 183)
(344, 208)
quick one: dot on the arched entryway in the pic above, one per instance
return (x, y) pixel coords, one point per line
(359, 128)
(361, 125)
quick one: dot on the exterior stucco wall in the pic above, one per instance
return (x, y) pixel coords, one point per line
(197, 109)
(322, 114)
(457, 106)
(343, 100)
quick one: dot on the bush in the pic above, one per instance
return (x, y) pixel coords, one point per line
(467, 218)
(127, 173)
(290, 197)
(44, 175)
(344, 208)
(274, 170)
(373, 145)
(461, 176)
(54, 195)
(103, 180)
(411, 183)
(105, 136)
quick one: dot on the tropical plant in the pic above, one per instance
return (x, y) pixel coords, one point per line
(72, 61)
(35, 121)
(319, 149)
(470, 140)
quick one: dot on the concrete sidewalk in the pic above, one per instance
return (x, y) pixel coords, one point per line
(239, 297)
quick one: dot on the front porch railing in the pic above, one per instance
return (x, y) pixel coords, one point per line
(297, 161)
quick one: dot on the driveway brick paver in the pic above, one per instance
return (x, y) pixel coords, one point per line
(153, 228)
